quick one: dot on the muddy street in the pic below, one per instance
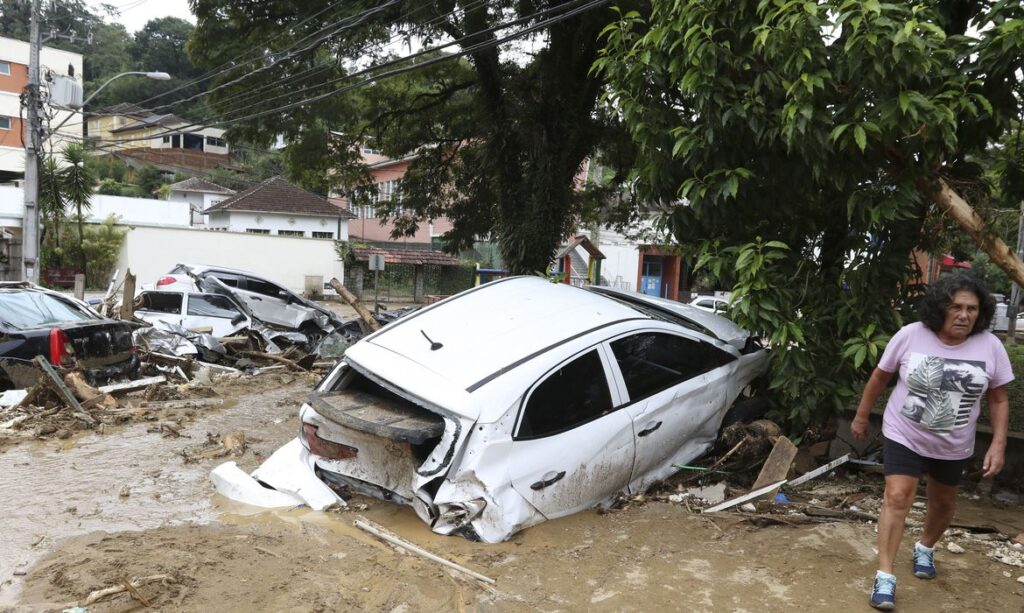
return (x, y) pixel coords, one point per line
(85, 513)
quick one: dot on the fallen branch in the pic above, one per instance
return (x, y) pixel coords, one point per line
(134, 591)
(270, 356)
(117, 589)
(364, 314)
(394, 540)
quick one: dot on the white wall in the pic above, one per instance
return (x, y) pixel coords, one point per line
(240, 221)
(143, 211)
(153, 252)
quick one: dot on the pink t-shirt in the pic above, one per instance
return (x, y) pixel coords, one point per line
(934, 408)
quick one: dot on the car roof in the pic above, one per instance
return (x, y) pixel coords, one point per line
(489, 328)
(719, 327)
(201, 268)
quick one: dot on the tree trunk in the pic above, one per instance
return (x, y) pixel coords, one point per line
(956, 207)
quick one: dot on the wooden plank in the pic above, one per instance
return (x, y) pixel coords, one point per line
(128, 297)
(63, 391)
(131, 386)
(776, 467)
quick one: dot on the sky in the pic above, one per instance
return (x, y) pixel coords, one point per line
(135, 13)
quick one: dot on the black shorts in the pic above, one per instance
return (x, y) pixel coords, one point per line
(900, 460)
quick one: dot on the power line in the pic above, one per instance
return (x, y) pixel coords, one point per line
(390, 73)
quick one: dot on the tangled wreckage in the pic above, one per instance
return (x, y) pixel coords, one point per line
(509, 404)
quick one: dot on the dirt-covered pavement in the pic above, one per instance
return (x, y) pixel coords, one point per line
(91, 511)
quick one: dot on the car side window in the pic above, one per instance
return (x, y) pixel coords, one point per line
(212, 305)
(707, 304)
(574, 394)
(653, 361)
(228, 280)
(262, 287)
(160, 302)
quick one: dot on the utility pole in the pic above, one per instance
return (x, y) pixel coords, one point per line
(1013, 307)
(30, 220)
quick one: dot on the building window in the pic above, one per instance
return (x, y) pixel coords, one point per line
(371, 151)
(213, 141)
(323, 234)
(257, 231)
(290, 233)
(166, 139)
(5, 123)
(5, 68)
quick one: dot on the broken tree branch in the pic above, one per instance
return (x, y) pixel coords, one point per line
(270, 356)
(128, 297)
(964, 214)
(364, 313)
(117, 589)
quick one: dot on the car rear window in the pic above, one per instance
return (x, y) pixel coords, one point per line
(24, 310)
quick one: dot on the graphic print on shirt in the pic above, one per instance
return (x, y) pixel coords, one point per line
(942, 391)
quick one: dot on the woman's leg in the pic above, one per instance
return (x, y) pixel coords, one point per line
(899, 495)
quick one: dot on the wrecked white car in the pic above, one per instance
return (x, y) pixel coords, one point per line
(266, 300)
(522, 400)
(219, 315)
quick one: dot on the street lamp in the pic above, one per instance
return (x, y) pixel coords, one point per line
(30, 263)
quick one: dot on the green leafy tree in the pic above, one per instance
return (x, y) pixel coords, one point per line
(52, 210)
(148, 180)
(807, 142)
(77, 183)
(102, 245)
(497, 137)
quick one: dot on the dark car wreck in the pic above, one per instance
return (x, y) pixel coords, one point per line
(514, 402)
(38, 322)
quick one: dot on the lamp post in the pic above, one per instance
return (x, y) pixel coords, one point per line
(34, 137)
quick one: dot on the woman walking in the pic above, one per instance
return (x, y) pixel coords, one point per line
(946, 362)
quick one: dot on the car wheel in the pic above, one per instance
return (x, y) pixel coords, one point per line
(745, 411)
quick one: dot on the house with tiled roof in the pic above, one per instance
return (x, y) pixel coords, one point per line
(200, 195)
(279, 208)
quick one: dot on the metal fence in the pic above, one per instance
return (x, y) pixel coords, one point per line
(397, 282)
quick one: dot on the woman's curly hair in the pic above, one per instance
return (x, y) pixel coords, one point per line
(938, 297)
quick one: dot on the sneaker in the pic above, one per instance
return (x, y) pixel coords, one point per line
(883, 595)
(924, 562)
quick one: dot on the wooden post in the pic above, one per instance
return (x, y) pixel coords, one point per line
(128, 297)
(80, 286)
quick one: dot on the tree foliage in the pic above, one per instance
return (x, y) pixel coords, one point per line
(801, 138)
(497, 138)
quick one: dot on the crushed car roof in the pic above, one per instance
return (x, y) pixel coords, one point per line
(482, 331)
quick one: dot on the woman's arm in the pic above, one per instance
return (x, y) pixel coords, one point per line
(999, 416)
(875, 385)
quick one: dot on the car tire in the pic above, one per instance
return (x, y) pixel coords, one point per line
(744, 411)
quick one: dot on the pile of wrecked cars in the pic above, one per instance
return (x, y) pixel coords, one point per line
(511, 403)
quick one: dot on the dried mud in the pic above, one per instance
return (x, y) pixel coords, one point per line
(69, 529)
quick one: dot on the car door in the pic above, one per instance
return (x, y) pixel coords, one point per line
(673, 397)
(571, 449)
(154, 306)
(215, 311)
(270, 303)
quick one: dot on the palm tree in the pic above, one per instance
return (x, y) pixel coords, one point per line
(51, 208)
(78, 183)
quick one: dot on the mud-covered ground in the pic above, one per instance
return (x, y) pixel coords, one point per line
(88, 512)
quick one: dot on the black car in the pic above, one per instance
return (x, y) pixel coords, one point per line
(35, 321)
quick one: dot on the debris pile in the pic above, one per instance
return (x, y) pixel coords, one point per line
(180, 371)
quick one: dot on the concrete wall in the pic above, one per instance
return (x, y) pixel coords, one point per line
(143, 211)
(240, 221)
(152, 252)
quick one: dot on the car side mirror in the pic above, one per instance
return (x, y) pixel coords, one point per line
(237, 319)
(283, 295)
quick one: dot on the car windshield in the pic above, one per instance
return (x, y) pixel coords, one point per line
(24, 310)
(654, 312)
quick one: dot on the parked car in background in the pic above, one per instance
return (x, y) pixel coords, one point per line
(39, 322)
(522, 400)
(223, 315)
(267, 301)
(711, 304)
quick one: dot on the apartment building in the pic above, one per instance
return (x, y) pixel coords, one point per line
(14, 57)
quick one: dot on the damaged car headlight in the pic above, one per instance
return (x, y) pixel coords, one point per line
(458, 514)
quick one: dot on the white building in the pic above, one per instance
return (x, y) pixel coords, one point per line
(14, 56)
(200, 195)
(279, 208)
